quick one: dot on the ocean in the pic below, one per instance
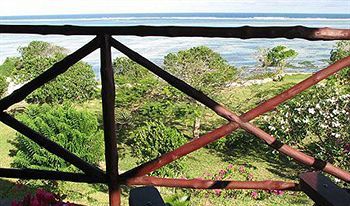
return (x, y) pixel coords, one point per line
(240, 53)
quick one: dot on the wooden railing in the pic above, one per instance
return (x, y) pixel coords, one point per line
(138, 175)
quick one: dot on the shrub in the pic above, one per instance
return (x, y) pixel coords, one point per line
(317, 120)
(77, 131)
(3, 86)
(154, 139)
(200, 67)
(341, 50)
(8, 66)
(77, 84)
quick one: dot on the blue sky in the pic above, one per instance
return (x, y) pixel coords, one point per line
(43, 7)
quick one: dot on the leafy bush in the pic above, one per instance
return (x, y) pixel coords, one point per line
(200, 67)
(77, 84)
(317, 120)
(3, 86)
(277, 56)
(341, 50)
(8, 66)
(77, 131)
(154, 139)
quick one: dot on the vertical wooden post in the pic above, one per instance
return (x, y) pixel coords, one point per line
(108, 104)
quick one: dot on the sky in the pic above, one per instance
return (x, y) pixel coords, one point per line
(47, 7)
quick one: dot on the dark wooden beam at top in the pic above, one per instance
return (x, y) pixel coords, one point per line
(244, 32)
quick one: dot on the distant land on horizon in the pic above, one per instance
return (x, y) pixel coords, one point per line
(194, 14)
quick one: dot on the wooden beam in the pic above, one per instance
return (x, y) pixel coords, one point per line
(108, 107)
(244, 32)
(48, 175)
(212, 184)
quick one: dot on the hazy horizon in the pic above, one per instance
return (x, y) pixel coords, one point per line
(62, 7)
(131, 13)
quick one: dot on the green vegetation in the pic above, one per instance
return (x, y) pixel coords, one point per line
(200, 67)
(75, 130)
(77, 84)
(153, 118)
(154, 139)
(277, 56)
(3, 85)
(341, 50)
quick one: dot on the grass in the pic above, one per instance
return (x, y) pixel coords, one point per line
(247, 151)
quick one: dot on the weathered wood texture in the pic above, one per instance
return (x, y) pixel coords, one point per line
(211, 184)
(245, 32)
(108, 107)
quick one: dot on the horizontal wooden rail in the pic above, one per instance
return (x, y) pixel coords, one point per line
(48, 175)
(244, 32)
(212, 184)
(51, 146)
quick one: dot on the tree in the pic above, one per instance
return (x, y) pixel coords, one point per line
(200, 67)
(141, 96)
(75, 130)
(154, 139)
(77, 84)
(277, 56)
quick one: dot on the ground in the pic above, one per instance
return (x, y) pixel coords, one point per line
(206, 160)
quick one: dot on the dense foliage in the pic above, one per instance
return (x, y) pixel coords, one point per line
(3, 86)
(77, 84)
(341, 50)
(75, 130)
(154, 139)
(200, 67)
(318, 121)
(141, 97)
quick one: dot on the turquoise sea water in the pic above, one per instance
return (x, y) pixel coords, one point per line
(238, 52)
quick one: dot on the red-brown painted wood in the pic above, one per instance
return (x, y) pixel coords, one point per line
(211, 184)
